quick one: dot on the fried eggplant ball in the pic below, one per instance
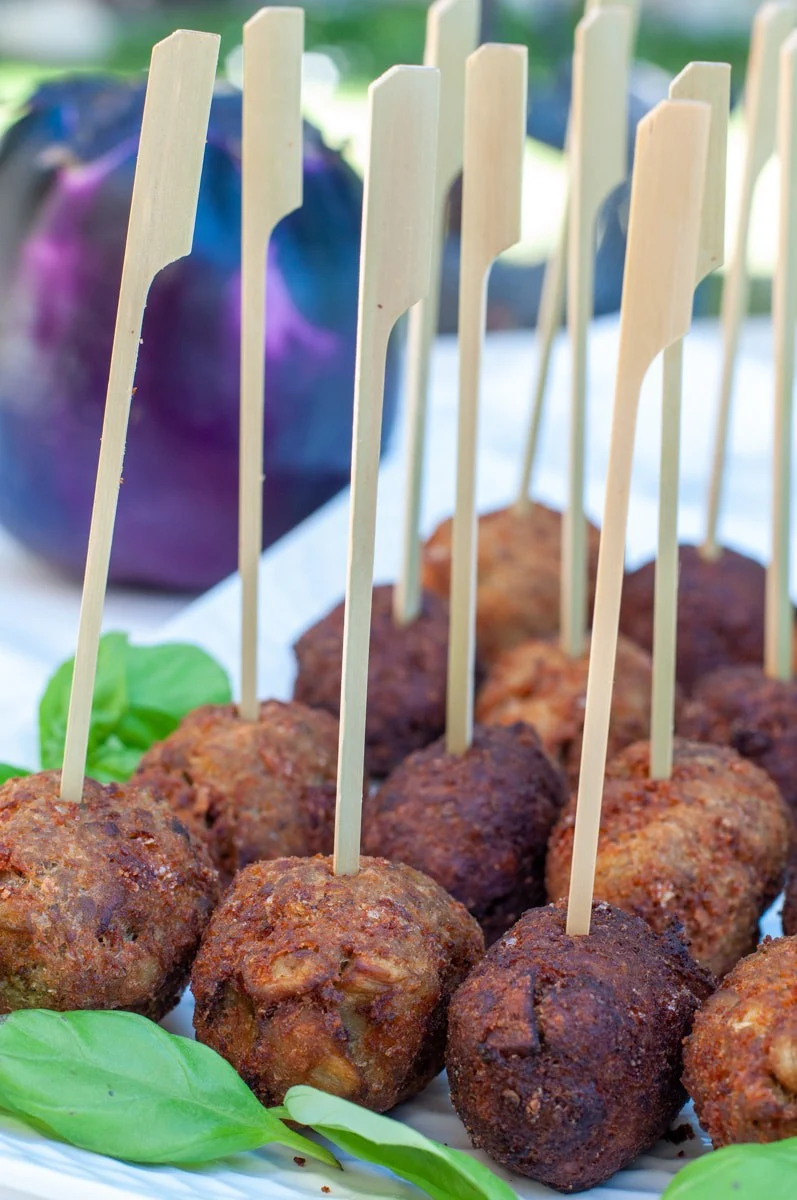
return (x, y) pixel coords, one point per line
(741, 1058)
(338, 981)
(790, 898)
(757, 716)
(478, 822)
(721, 605)
(705, 849)
(407, 670)
(539, 684)
(564, 1053)
(251, 789)
(102, 903)
(519, 567)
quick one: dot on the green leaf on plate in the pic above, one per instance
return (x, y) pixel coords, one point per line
(747, 1172)
(141, 695)
(119, 1085)
(437, 1170)
(9, 772)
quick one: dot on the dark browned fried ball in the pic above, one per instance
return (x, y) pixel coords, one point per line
(407, 671)
(564, 1054)
(478, 822)
(790, 896)
(539, 684)
(741, 1059)
(757, 716)
(251, 789)
(102, 903)
(705, 849)
(721, 606)
(518, 574)
(341, 982)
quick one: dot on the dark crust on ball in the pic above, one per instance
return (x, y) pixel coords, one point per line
(518, 574)
(741, 1059)
(757, 716)
(478, 823)
(406, 677)
(251, 789)
(102, 904)
(341, 982)
(705, 849)
(564, 1054)
(538, 683)
(721, 606)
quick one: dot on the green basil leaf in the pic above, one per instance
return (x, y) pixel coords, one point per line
(119, 1085)
(437, 1170)
(747, 1172)
(140, 696)
(9, 772)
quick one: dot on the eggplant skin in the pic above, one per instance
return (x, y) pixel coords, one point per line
(564, 1053)
(66, 174)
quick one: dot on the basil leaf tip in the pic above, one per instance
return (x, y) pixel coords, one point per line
(436, 1169)
(743, 1172)
(120, 1085)
(141, 694)
(8, 772)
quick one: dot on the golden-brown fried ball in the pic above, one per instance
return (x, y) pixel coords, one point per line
(251, 789)
(705, 848)
(539, 684)
(519, 568)
(338, 981)
(564, 1053)
(407, 670)
(476, 822)
(741, 1059)
(757, 716)
(102, 903)
(721, 605)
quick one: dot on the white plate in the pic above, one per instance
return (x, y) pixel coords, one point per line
(302, 577)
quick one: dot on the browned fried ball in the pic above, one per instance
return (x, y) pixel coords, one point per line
(705, 849)
(741, 1059)
(757, 716)
(790, 896)
(519, 567)
(338, 981)
(539, 684)
(251, 789)
(478, 822)
(407, 671)
(564, 1053)
(721, 604)
(102, 903)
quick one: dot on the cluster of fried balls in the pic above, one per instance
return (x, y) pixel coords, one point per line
(565, 1055)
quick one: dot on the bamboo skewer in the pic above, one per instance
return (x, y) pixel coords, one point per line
(773, 23)
(711, 83)
(552, 298)
(160, 230)
(495, 130)
(271, 177)
(598, 164)
(779, 620)
(452, 34)
(394, 274)
(660, 267)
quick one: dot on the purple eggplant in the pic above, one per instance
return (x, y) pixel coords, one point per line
(66, 172)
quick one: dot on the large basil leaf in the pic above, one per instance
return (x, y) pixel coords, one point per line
(8, 772)
(747, 1172)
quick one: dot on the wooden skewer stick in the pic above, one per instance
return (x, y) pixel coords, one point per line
(772, 25)
(599, 122)
(779, 619)
(161, 230)
(552, 298)
(492, 184)
(452, 34)
(658, 285)
(395, 260)
(271, 178)
(711, 83)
